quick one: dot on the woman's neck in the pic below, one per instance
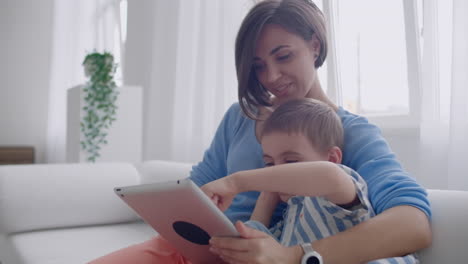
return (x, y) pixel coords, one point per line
(317, 93)
(324, 98)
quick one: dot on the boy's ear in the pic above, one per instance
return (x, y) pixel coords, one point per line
(335, 155)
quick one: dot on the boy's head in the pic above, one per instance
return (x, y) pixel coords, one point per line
(302, 130)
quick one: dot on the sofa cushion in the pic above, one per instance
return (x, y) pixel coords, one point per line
(449, 235)
(160, 171)
(34, 197)
(78, 245)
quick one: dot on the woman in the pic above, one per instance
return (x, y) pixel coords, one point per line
(279, 47)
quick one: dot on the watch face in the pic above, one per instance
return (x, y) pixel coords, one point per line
(313, 260)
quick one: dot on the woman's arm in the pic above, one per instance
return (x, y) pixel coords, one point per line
(395, 232)
(265, 207)
(367, 152)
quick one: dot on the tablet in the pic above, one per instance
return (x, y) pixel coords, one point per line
(182, 214)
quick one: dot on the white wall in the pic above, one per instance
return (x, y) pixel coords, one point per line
(25, 30)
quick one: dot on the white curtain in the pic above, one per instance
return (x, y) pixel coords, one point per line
(79, 27)
(182, 53)
(206, 83)
(444, 110)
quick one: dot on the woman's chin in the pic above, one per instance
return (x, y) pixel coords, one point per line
(284, 99)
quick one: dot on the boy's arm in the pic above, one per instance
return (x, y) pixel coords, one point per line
(266, 204)
(318, 178)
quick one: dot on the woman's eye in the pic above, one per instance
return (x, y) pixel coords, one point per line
(284, 57)
(258, 67)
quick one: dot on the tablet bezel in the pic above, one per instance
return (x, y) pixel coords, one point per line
(160, 205)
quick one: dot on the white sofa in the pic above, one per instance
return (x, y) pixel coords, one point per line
(68, 213)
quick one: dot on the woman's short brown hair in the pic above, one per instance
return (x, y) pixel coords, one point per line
(301, 17)
(312, 118)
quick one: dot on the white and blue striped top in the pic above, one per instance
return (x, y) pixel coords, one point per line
(307, 219)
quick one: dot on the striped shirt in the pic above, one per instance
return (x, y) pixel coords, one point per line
(307, 219)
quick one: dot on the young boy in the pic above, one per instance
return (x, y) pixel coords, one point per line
(301, 143)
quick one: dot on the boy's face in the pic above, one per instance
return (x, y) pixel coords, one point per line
(280, 148)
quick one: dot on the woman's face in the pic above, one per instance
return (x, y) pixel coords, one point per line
(284, 64)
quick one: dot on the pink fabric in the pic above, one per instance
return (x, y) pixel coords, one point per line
(154, 251)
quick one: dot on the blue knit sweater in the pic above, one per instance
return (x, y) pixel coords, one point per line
(235, 147)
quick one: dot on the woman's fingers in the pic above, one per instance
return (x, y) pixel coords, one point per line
(230, 243)
(251, 247)
(253, 250)
(244, 243)
(236, 257)
(247, 232)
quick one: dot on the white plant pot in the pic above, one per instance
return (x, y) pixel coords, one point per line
(124, 136)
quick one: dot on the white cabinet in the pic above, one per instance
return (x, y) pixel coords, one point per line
(124, 136)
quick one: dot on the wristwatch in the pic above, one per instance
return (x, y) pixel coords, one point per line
(310, 255)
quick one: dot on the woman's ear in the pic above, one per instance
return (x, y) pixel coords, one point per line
(314, 45)
(335, 155)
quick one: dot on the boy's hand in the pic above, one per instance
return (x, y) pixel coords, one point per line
(266, 204)
(221, 191)
(270, 197)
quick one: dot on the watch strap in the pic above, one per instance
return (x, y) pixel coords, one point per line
(310, 255)
(307, 247)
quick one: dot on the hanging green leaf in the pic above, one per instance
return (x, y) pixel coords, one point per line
(100, 95)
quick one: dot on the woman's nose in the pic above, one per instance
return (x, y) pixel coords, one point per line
(272, 74)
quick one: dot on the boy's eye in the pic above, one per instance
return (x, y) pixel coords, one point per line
(269, 164)
(291, 161)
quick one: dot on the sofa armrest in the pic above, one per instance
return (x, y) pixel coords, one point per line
(449, 232)
(34, 197)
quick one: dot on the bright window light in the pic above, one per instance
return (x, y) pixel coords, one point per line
(372, 57)
(123, 17)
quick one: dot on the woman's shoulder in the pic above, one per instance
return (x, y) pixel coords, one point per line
(349, 118)
(235, 121)
(363, 141)
(235, 110)
(354, 122)
(235, 115)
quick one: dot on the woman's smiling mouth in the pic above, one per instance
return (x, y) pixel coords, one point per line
(282, 90)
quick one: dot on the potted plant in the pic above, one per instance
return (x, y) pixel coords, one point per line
(100, 96)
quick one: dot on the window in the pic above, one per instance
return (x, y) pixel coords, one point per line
(378, 59)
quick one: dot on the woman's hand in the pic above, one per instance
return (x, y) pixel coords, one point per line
(254, 247)
(221, 191)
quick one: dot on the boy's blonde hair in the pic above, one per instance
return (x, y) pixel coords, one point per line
(312, 118)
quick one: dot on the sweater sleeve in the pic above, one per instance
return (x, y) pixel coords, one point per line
(368, 153)
(214, 163)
